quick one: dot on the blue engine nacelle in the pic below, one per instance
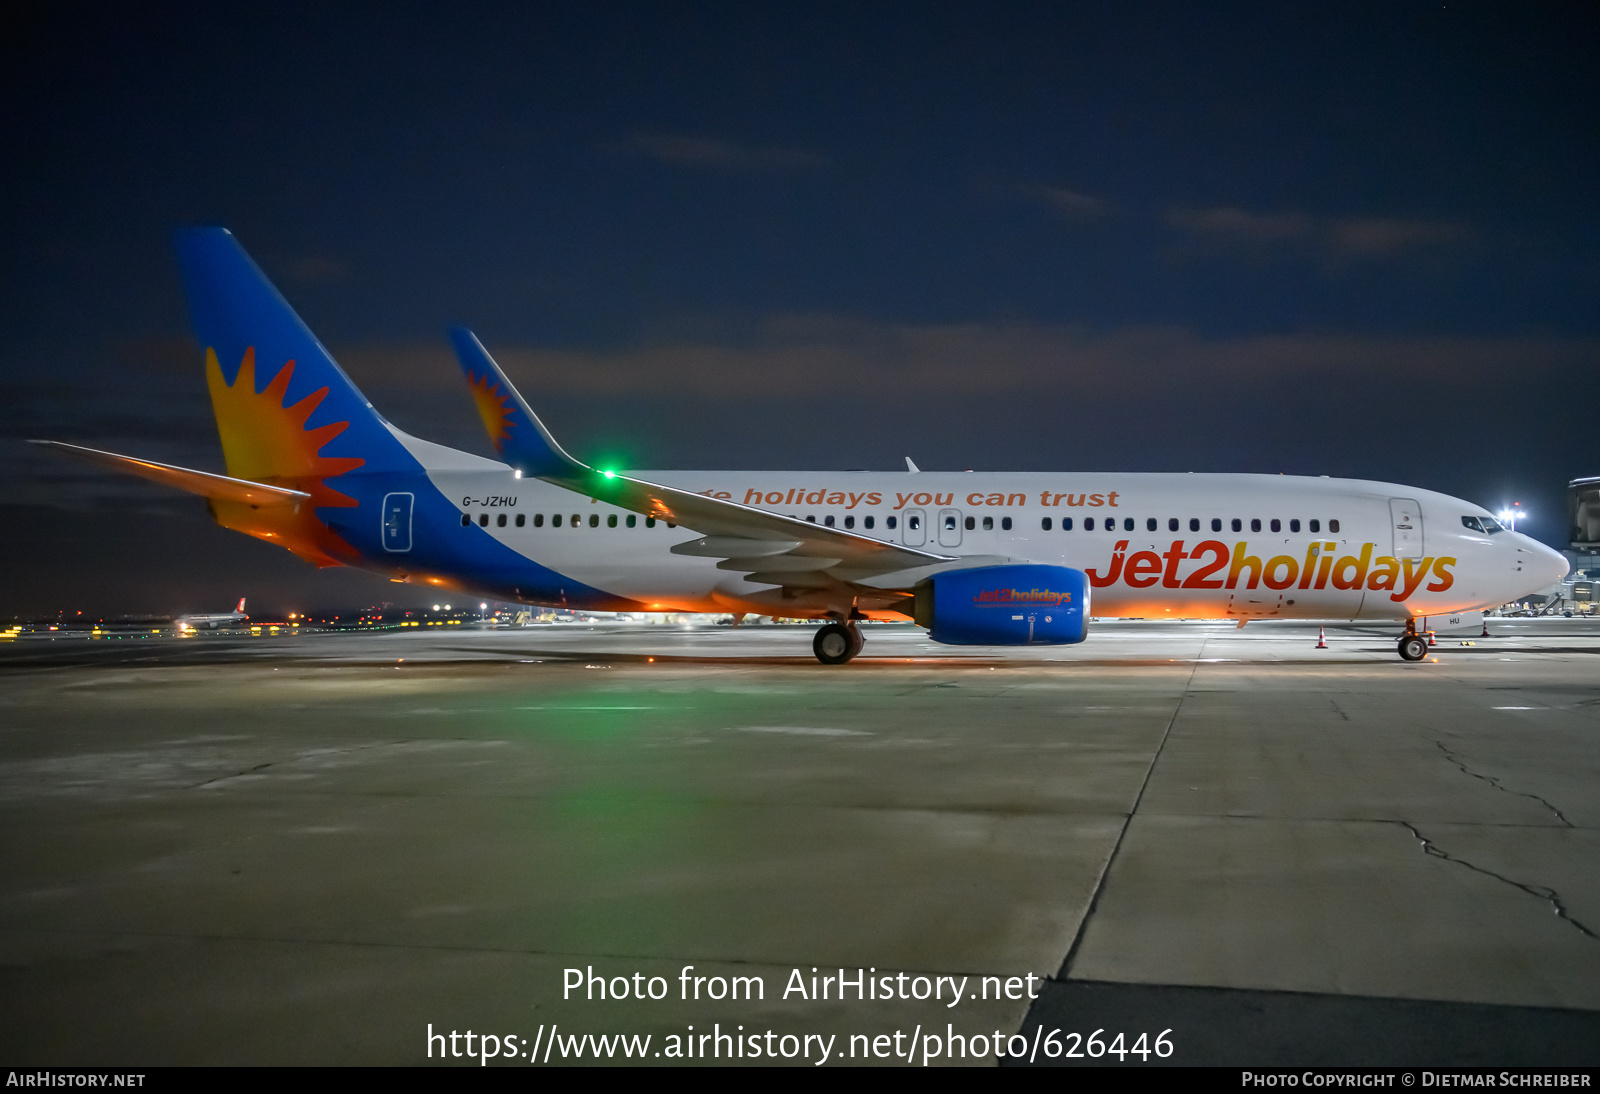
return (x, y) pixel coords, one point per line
(1004, 606)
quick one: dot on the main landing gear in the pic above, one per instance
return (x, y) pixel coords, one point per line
(837, 643)
(1413, 647)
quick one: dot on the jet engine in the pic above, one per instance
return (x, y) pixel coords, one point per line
(1021, 605)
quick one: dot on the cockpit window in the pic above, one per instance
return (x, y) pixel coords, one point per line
(1487, 525)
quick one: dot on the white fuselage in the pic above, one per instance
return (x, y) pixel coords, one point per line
(1153, 545)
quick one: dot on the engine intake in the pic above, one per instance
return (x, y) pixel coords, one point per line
(1023, 605)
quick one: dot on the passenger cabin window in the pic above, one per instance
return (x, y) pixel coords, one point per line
(1045, 524)
(1194, 524)
(1255, 524)
(1172, 524)
(1216, 524)
(649, 522)
(811, 520)
(1316, 526)
(1127, 524)
(912, 523)
(1333, 526)
(890, 523)
(611, 521)
(1237, 525)
(1088, 524)
(828, 520)
(1005, 524)
(633, 519)
(988, 522)
(1277, 525)
(555, 521)
(522, 518)
(1066, 524)
(1150, 525)
(849, 522)
(500, 521)
(483, 520)
(950, 522)
(466, 519)
(1294, 525)
(867, 521)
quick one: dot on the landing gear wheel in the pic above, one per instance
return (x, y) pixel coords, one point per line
(836, 643)
(1413, 647)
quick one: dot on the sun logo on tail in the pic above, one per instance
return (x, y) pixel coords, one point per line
(265, 441)
(494, 407)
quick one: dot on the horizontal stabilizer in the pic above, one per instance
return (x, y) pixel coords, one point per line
(204, 483)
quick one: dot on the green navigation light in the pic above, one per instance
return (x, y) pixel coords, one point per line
(609, 474)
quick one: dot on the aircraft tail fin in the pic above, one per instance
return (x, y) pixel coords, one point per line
(285, 410)
(240, 609)
(516, 431)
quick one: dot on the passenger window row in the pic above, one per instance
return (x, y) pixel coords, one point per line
(869, 523)
(1108, 524)
(1151, 524)
(631, 520)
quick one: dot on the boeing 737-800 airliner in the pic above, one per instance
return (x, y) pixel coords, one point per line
(976, 558)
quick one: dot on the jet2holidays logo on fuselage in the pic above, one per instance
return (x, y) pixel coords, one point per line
(1316, 570)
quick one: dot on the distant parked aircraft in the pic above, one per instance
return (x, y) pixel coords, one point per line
(196, 622)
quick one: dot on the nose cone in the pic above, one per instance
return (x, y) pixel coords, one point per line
(1551, 566)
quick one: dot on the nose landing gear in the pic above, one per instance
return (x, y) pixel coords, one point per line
(837, 643)
(1413, 646)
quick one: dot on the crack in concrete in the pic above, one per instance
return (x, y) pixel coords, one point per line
(235, 775)
(1494, 782)
(319, 752)
(1543, 892)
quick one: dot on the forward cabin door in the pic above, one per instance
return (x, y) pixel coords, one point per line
(1406, 517)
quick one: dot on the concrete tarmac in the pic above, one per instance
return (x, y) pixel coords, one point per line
(311, 848)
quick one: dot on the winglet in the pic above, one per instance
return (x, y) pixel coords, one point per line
(518, 434)
(911, 468)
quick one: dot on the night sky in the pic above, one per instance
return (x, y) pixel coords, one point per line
(1334, 239)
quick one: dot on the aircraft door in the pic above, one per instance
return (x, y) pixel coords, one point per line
(949, 527)
(916, 531)
(397, 522)
(1406, 516)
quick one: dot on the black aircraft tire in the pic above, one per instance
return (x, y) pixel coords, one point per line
(1413, 648)
(857, 640)
(833, 644)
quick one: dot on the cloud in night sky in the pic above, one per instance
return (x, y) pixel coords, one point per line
(721, 155)
(1070, 203)
(1346, 238)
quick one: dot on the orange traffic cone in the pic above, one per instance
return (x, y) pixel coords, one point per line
(1322, 640)
(1432, 641)
(1485, 633)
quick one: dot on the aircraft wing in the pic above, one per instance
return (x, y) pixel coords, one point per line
(770, 549)
(204, 483)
